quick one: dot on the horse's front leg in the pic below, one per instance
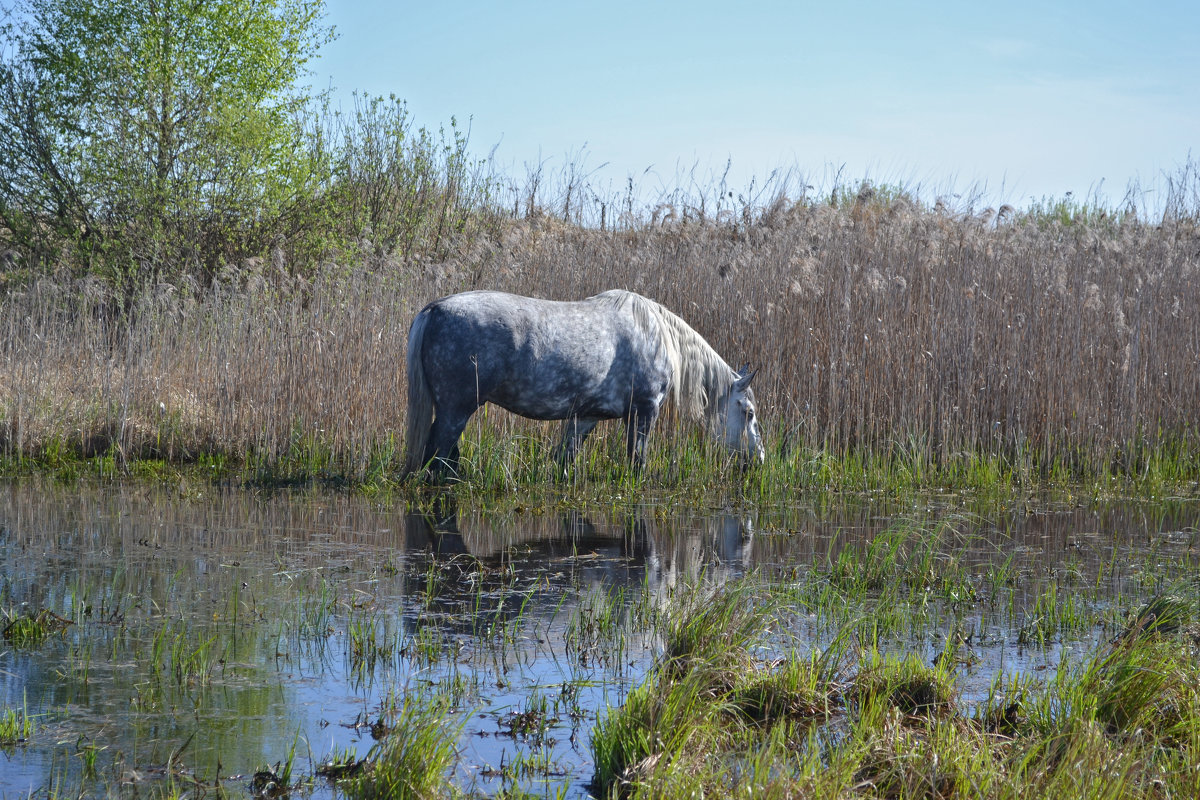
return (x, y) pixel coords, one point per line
(637, 431)
(575, 430)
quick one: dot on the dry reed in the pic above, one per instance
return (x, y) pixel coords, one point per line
(876, 323)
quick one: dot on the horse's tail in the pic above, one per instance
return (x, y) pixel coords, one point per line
(420, 399)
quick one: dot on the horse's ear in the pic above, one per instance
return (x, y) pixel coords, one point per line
(742, 383)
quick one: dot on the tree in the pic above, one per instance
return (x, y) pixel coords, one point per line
(151, 136)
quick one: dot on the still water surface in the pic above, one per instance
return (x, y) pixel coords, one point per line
(213, 635)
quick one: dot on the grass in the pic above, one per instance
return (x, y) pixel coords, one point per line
(906, 684)
(517, 474)
(413, 761)
(372, 643)
(715, 629)
(29, 630)
(16, 726)
(1123, 723)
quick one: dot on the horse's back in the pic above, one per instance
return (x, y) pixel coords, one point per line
(484, 319)
(544, 359)
(498, 323)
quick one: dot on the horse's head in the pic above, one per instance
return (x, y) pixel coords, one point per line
(742, 434)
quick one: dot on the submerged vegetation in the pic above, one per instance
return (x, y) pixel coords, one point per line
(603, 657)
(15, 727)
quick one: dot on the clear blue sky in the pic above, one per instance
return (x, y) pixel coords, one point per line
(1024, 99)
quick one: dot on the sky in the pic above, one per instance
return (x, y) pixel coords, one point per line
(1014, 101)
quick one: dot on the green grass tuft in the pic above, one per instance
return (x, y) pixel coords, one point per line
(414, 760)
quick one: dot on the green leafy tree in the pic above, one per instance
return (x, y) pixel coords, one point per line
(151, 137)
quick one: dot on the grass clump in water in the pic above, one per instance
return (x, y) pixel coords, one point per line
(709, 692)
(30, 630)
(714, 629)
(413, 761)
(1148, 679)
(16, 726)
(906, 684)
(667, 729)
(796, 687)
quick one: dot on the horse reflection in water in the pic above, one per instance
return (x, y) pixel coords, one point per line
(714, 547)
(617, 355)
(557, 556)
(616, 553)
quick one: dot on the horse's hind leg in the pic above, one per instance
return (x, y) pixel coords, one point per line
(442, 449)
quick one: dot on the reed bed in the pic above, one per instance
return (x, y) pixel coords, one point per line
(1059, 340)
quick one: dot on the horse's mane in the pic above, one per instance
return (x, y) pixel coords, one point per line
(699, 376)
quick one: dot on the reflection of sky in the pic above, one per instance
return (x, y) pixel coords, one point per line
(161, 563)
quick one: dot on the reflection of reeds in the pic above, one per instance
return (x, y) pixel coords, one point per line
(1046, 336)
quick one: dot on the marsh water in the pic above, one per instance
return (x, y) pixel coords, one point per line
(199, 638)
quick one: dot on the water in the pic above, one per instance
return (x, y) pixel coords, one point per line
(218, 634)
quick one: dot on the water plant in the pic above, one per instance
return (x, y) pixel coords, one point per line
(340, 764)
(29, 630)
(598, 629)
(413, 761)
(372, 641)
(906, 684)
(16, 726)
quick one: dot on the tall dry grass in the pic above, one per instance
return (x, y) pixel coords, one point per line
(876, 322)
(248, 366)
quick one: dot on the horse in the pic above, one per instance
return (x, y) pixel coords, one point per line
(616, 355)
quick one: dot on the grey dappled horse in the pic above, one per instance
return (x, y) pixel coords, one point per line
(617, 355)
